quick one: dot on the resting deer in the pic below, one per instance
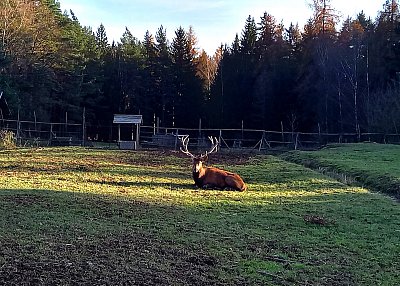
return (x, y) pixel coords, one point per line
(210, 177)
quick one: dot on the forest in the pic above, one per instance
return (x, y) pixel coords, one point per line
(323, 76)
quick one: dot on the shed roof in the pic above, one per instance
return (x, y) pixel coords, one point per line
(127, 118)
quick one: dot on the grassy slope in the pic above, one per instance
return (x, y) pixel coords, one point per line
(373, 165)
(107, 217)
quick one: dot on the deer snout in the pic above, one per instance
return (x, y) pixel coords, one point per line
(197, 166)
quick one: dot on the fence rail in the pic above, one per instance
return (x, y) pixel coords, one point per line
(255, 139)
(44, 133)
(50, 134)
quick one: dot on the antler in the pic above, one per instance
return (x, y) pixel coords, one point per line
(214, 145)
(185, 142)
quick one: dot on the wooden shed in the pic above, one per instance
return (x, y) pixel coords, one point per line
(135, 121)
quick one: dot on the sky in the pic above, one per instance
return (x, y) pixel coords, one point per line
(214, 22)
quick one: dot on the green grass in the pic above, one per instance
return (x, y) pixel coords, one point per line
(375, 166)
(97, 217)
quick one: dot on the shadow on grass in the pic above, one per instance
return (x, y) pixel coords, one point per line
(147, 185)
(52, 237)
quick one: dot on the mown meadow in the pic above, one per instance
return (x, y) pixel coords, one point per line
(76, 216)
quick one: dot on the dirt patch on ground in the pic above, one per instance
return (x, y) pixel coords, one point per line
(126, 259)
(24, 199)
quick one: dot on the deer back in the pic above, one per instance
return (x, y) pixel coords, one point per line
(212, 177)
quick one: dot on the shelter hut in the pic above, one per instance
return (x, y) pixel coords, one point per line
(135, 121)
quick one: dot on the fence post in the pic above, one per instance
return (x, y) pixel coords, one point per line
(262, 141)
(242, 132)
(319, 134)
(176, 139)
(297, 141)
(34, 115)
(84, 127)
(66, 123)
(119, 133)
(154, 124)
(1, 110)
(283, 136)
(199, 128)
(219, 139)
(137, 135)
(18, 128)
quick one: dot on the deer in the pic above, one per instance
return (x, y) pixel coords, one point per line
(211, 177)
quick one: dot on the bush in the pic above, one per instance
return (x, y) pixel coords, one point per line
(7, 140)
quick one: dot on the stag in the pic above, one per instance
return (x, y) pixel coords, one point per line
(210, 177)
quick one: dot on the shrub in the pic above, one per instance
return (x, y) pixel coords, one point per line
(7, 140)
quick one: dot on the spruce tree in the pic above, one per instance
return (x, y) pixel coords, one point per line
(188, 99)
(164, 79)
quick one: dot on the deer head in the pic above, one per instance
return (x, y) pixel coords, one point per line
(198, 159)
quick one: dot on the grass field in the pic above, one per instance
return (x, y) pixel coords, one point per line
(74, 216)
(375, 166)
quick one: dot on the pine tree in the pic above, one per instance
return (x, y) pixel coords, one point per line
(188, 97)
(385, 51)
(164, 79)
(384, 62)
(81, 66)
(192, 42)
(249, 37)
(235, 49)
(151, 88)
(294, 36)
(102, 40)
(267, 32)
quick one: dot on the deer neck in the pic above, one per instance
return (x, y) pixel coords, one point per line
(199, 176)
(200, 172)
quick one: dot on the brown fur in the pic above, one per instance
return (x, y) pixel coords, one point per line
(211, 177)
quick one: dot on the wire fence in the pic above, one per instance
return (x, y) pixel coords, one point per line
(34, 133)
(255, 139)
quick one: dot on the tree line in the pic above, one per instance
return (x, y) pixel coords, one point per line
(320, 77)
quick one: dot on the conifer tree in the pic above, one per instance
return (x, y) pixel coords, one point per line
(102, 40)
(235, 48)
(188, 99)
(293, 36)
(164, 78)
(151, 88)
(249, 37)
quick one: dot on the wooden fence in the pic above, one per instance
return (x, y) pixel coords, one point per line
(33, 133)
(36, 133)
(255, 139)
